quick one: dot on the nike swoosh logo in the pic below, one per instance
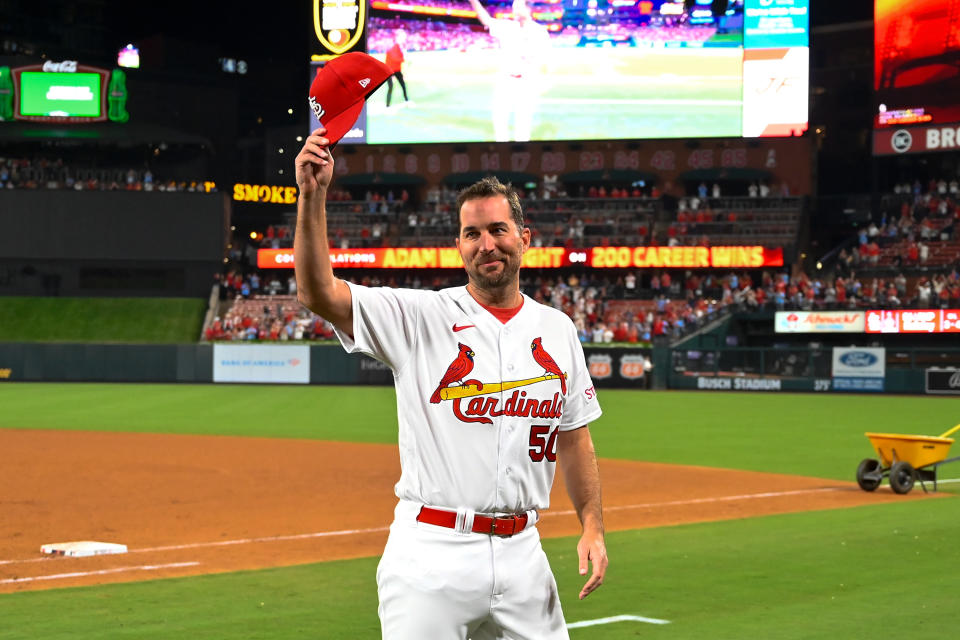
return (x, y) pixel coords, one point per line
(466, 326)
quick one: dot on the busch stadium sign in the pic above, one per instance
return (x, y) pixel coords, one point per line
(739, 384)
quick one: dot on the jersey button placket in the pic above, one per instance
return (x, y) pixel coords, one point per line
(502, 454)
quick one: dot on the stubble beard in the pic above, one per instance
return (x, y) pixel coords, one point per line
(498, 281)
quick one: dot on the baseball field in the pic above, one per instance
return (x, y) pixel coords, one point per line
(584, 94)
(259, 511)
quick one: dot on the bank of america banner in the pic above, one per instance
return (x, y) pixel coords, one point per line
(261, 363)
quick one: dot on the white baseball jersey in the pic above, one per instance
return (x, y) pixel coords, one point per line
(523, 46)
(479, 402)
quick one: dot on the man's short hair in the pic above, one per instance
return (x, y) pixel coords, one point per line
(491, 187)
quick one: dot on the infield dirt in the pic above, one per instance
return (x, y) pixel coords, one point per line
(189, 505)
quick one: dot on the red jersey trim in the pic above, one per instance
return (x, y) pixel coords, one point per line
(503, 315)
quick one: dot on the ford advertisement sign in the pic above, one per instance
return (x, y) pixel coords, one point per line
(858, 359)
(859, 368)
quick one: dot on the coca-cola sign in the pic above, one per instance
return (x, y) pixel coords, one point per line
(67, 66)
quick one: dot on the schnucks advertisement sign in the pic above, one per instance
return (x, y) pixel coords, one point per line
(859, 368)
(819, 322)
(261, 363)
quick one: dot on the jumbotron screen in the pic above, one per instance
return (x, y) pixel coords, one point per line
(63, 95)
(502, 70)
(916, 62)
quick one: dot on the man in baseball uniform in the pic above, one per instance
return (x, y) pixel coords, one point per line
(524, 47)
(492, 393)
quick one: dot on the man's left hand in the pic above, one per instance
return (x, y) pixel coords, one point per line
(591, 549)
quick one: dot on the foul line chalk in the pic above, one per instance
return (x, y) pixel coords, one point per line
(612, 619)
(229, 543)
(677, 503)
(350, 532)
(80, 574)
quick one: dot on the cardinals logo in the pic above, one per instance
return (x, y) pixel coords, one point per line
(548, 363)
(480, 409)
(457, 371)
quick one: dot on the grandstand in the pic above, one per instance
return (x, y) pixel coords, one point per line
(579, 198)
(740, 211)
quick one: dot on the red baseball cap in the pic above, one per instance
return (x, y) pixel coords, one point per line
(340, 89)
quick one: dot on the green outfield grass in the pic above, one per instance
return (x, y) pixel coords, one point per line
(583, 93)
(885, 570)
(103, 320)
(800, 434)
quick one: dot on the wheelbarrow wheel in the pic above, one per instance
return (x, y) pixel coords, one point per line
(869, 475)
(902, 477)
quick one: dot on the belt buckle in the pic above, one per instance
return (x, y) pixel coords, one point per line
(516, 525)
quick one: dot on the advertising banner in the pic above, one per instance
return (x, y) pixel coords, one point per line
(859, 362)
(261, 363)
(618, 367)
(776, 23)
(739, 384)
(913, 321)
(916, 139)
(819, 322)
(775, 88)
(943, 381)
(859, 368)
(544, 257)
(914, 63)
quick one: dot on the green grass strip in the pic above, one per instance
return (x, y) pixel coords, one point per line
(799, 434)
(110, 320)
(885, 569)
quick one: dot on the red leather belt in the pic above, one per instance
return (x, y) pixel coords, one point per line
(502, 526)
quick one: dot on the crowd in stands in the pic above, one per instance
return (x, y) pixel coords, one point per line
(597, 216)
(46, 173)
(629, 307)
(427, 35)
(916, 227)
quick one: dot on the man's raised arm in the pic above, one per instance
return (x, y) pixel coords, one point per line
(482, 14)
(317, 288)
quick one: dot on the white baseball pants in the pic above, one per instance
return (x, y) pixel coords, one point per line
(437, 584)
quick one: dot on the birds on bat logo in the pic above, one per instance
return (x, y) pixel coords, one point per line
(518, 404)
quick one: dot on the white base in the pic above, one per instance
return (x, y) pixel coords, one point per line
(83, 548)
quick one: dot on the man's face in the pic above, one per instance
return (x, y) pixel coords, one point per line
(490, 244)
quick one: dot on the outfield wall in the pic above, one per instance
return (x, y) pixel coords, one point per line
(251, 363)
(914, 371)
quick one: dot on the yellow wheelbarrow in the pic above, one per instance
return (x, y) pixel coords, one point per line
(904, 459)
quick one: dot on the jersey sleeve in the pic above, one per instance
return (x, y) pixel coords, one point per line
(581, 405)
(384, 324)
